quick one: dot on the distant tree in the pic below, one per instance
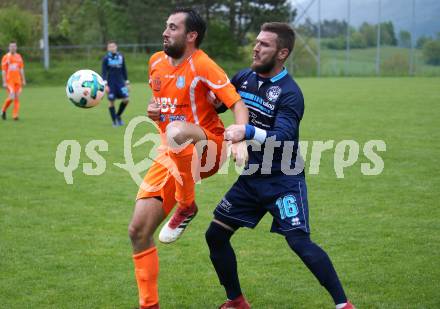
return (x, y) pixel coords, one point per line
(387, 34)
(329, 28)
(142, 21)
(248, 15)
(219, 41)
(308, 28)
(333, 28)
(357, 40)
(369, 34)
(422, 40)
(404, 39)
(431, 52)
(19, 25)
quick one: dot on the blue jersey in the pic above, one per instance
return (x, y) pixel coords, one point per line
(114, 70)
(276, 105)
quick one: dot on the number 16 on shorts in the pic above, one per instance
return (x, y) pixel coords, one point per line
(287, 206)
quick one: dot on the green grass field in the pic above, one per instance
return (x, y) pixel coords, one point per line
(66, 246)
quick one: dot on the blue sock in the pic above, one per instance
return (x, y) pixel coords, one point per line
(112, 113)
(318, 262)
(121, 108)
(223, 258)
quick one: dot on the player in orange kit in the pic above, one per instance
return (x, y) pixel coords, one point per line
(13, 79)
(181, 78)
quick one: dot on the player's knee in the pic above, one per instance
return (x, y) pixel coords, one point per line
(175, 133)
(136, 232)
(305, 248)
(12, 95)
(299, 243)
(210, 236)
(133, 231)
(217, 235)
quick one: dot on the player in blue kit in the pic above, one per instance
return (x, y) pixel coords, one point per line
(271, 181)
(114, 74)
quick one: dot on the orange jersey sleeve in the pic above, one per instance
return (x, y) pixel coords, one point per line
(5, 63)
(216, 79)
(153, 61)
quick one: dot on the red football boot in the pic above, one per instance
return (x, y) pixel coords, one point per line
(349, 306)
(239, 303)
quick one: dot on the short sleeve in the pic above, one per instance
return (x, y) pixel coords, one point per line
(5, 63)
(152, 62)
(149, 72)
(218, 82)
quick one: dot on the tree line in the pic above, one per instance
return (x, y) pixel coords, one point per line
(78, 22)
(334, 36)
(231, 24)
(334, 33)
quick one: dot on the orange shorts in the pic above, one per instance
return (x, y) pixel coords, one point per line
(14, 88)
(159, 181)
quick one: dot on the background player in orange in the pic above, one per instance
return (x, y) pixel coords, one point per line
(181, 77)
(13, 79)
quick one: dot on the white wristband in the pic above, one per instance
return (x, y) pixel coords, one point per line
(260, 135)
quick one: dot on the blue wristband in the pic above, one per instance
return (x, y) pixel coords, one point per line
(249, 132)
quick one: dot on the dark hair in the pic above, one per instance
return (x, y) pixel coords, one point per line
(285, 33)
(13, 42)
(193, 22)
(111, 42)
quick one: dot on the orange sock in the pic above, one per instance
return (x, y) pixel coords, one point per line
(16, 108)
(146, 266)
(185, 191)
(8, 102)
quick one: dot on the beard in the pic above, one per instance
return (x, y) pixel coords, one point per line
(264, 67)
(175, 50)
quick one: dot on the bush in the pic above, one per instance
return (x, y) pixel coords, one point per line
(18, 25)
(397, 64)
(431, 52)
(357, 40)
(336, 43)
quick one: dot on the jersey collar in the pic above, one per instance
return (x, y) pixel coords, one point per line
(279, 76)
(274, 78)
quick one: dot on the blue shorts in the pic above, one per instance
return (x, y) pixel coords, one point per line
(251, 197)
(117, 92)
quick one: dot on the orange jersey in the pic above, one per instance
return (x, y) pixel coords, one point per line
(12, 64)
(182, 91)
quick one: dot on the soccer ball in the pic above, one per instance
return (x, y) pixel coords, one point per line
(85, 88)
